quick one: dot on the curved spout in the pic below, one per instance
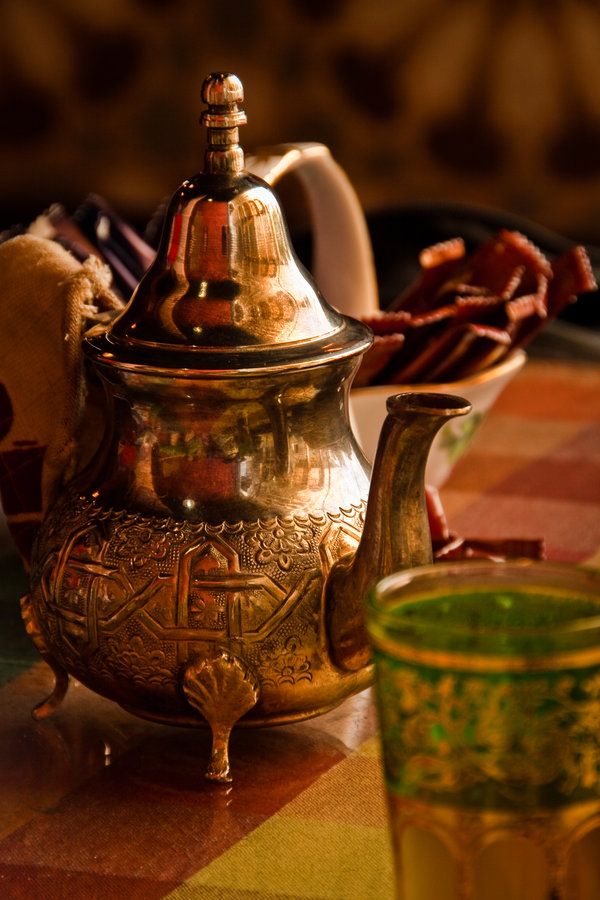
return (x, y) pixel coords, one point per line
(396, 533)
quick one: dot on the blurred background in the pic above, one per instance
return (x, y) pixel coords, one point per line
(494, 103)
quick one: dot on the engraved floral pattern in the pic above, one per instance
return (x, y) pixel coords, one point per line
(141, 540)
(515, 738)
(280, 542)
(134, 661)
(287, 666)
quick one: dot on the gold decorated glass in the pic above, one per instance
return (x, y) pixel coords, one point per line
(488, 687)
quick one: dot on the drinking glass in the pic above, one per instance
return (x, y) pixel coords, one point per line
(488, 691)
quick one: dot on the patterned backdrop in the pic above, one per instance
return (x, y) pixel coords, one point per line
(483, 101)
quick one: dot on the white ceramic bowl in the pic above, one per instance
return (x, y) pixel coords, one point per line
(368, 411)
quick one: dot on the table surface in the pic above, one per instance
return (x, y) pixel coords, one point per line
(95, 803)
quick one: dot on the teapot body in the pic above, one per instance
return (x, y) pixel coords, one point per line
(193, 554)
(186, 575)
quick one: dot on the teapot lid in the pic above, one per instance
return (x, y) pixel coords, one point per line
(226, 292)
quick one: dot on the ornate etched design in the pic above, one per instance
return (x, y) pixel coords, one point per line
(141, 539)
(127, 600)
(88, 593)
(340, 535)
(222, 689)
(281, 540)
(227, 579)
(61, 677)
(205, 571)
(146, 668)
(519, 738)
(288, 666)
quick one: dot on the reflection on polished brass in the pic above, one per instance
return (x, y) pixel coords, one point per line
(226, 291)
(199, 570)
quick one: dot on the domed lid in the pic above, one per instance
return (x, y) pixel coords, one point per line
(226, 291)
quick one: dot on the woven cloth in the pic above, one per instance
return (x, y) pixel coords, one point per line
(47, 299)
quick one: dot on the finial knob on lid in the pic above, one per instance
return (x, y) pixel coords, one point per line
(222, 92)
(226, 292)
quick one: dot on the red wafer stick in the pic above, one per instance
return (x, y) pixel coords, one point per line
(382, 351)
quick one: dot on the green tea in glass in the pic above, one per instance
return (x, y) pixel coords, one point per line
(488, 691)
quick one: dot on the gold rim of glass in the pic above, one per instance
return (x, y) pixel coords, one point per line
(442, 639)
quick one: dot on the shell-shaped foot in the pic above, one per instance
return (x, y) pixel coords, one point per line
(222, 689)
(61, 677)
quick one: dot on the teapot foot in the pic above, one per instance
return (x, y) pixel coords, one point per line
(46, 707)
(218, 767)
(222, 689)
(61, 684)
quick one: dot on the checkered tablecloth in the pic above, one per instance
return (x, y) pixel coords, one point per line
(95, 803)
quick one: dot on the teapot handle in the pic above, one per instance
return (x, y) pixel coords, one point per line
(343, 258)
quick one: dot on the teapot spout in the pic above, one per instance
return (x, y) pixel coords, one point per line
(396, 533)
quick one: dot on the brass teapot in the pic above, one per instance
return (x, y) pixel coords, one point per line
(208, 565)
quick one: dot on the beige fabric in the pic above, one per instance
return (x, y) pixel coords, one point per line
(47, 300)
